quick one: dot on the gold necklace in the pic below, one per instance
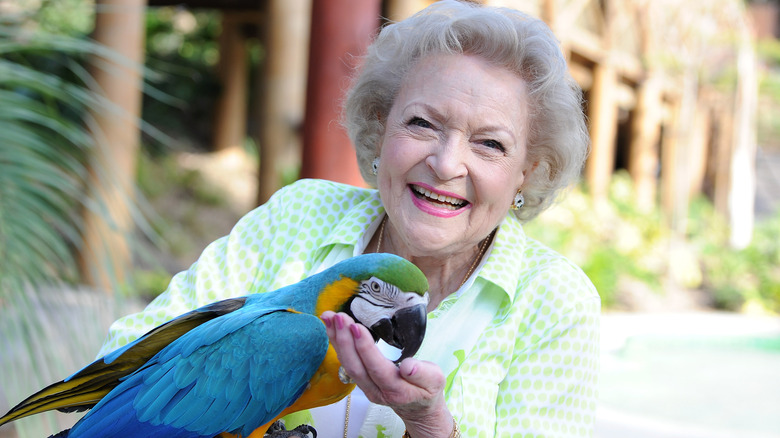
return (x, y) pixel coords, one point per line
(482, 247)
(381, 233)
(346, 417)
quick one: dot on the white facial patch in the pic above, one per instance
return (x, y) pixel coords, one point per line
(377, 300)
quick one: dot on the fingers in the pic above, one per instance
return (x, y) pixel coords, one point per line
(414, 388)
(382, 379)
(337, 326)
(358, 354)
(413, 382)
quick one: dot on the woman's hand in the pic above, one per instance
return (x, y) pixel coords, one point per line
(414, 389)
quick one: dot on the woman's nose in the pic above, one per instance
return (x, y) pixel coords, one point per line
(447, 159)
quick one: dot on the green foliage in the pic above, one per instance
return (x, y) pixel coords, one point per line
(44, 154)
(618, 245)
(611, 242)
(182, 50)
(769, 51)
(746, 277)
(148, 283)
(73, 18)
(196, 213)
(66, 17)
(769, 92)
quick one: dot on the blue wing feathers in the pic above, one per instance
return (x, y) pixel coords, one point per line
(155, 401)
(187, 411)
(115, 419)
(175, 401)
(233, 373)
(177, 408)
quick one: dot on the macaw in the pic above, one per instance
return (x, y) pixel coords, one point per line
(238, 365)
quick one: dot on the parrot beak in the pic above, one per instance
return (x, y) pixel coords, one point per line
(404, 330)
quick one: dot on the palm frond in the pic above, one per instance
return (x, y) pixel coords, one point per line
(47, 139)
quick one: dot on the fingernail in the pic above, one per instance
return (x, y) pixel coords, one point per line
(355, 331)
(328, 322)
(339, 322)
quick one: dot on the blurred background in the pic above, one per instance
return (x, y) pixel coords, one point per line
(135, 132)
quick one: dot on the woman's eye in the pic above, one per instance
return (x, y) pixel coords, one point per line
(422, 123)
(493, 144)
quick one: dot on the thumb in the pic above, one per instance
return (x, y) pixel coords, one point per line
(426, 375)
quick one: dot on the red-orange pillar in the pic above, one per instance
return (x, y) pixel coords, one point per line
(340, 31)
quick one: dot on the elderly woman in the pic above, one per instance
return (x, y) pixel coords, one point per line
(466, 121)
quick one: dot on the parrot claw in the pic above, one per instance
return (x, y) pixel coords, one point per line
(278, 430)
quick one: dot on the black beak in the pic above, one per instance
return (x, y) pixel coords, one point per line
(405, 330)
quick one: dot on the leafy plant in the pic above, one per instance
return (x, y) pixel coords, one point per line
(748, 277)
(43, 156)
(618, 242)
(611, 242)
(45, 152)
(182, 49)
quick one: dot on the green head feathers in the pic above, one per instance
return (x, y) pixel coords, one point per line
(387, 267)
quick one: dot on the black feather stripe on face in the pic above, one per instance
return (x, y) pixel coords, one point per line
(347, 308)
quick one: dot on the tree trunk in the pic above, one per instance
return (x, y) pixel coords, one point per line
(645, 137)
(603, 113)
(231, 112)
(106, 257)
(282, 91)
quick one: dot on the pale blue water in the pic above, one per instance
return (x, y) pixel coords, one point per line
(724, 384)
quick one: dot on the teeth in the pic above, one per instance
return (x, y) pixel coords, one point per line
(437, 197)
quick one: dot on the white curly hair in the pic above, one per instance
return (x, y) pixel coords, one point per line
(558, 138)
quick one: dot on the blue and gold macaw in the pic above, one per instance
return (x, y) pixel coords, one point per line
(237, 365)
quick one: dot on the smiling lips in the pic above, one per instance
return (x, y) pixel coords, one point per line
(437, 204)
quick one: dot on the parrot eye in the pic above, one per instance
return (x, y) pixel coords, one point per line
(376, 289)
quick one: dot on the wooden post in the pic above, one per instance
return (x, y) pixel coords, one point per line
(670, 143)
(231, 111)
(699, 147)
(340, 30)
(675, 165)
(282, 85)
(603, 114)
(398, 10)
(106, 258)
(644, 146)
(723, 155)
(549, 12)
(645, 136)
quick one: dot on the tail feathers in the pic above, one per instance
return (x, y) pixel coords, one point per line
(85, 388)
(66, 396)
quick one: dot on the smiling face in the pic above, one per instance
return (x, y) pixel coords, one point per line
(453, 154)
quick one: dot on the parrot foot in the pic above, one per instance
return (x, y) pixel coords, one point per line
(278, 430)
(62, 434)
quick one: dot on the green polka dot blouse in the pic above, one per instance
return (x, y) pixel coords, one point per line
(518, 343)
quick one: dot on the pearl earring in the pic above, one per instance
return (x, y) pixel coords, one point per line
(375, 166)
(519, 201)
